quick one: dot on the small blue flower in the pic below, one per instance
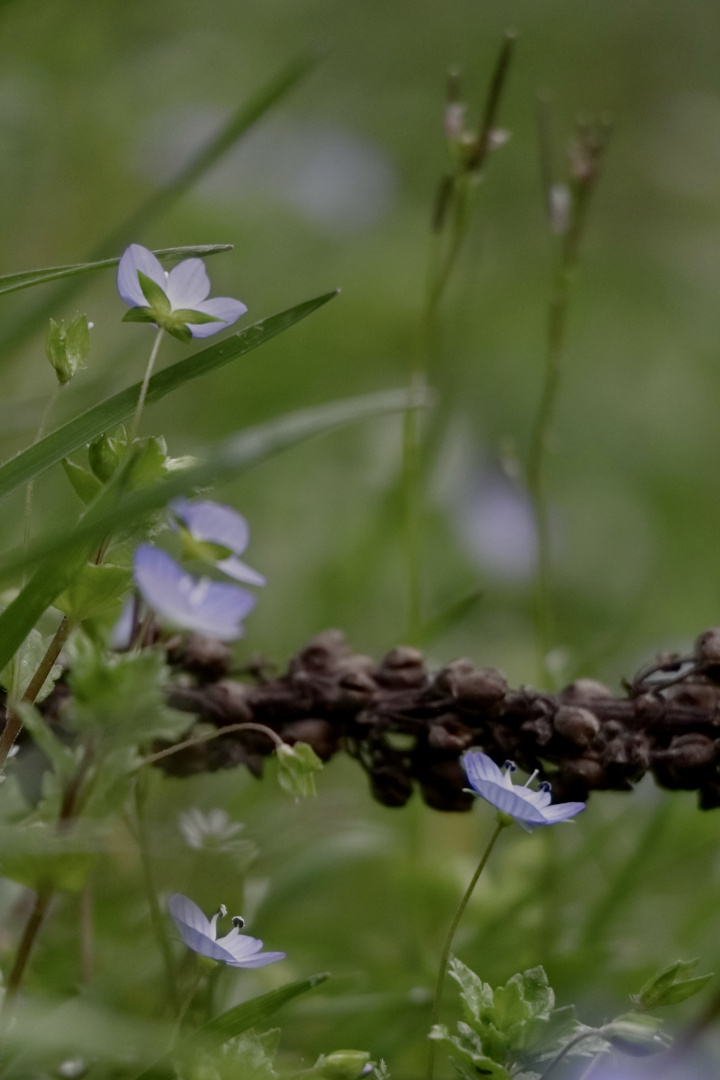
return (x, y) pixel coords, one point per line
(208, 607)
(176, 301)
(525, 806)
(200, 935)
(205, 522)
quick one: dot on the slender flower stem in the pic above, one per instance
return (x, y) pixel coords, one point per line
(197, 740)
(13, 723)
(593, 1065)
(448, 945)
(143, 389)
(566, 1050)
(156, 917)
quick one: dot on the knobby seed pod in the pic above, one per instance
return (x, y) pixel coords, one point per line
(402, 668)
(579, 726)
(584, 690)
(707, 647)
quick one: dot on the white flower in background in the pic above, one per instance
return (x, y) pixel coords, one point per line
(213, 831)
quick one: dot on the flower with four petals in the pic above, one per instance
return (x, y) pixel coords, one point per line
(176, 301)
(200, 934)
(525, 806)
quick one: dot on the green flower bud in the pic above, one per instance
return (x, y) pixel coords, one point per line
(104, 456)
(636, 1034)
(67, 347)
(298, 765)
(85, 483)
(340, 1065)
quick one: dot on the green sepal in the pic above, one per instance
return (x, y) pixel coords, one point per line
(84, 483)
(140, 314)
(671, 985)
(150, 464)
(195, 318)
(203, 550)
(105, 454)
(154, 294)
(178, 330)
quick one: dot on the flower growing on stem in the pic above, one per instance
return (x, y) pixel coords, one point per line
(175, 301)
(523, 805)
(200, 934)
(520, 804)
(207, 526)
(208, 607)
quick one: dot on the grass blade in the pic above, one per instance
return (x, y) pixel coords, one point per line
(232, 457)
(161, 201)
(114, 410)
(27, 278)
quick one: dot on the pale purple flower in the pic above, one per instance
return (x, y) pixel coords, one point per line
(177, 300)
(200, 935)
(525, 806)
(208, 607)
(214, 523)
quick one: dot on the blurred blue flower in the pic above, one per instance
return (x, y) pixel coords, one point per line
(205, 522)
(176, 301)
(208, 607)
(525, 806)
(200, 935)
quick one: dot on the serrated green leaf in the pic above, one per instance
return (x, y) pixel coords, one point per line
(477, 996)
(114, 410)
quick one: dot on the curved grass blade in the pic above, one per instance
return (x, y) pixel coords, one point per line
(155, 206)
(108, 414)
(27, 278)
(232, 457)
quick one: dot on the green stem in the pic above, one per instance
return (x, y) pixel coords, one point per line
(156, 917)
(448, 945)
(197, 740)
(13, 724)
(143, 389)
(566, 1050)
(538, 451)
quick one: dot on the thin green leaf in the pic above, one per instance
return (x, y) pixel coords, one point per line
(250, 1014)
(161, 201)
(24, 280)
(110, 413)
(232, 457)
(449, 617)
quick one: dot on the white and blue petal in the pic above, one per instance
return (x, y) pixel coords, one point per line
(207, 607)
(137, 258)
(198, 933)
(527, 807)
(220, 307)
(188, 284)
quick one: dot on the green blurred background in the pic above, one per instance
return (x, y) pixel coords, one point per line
(100, 104)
